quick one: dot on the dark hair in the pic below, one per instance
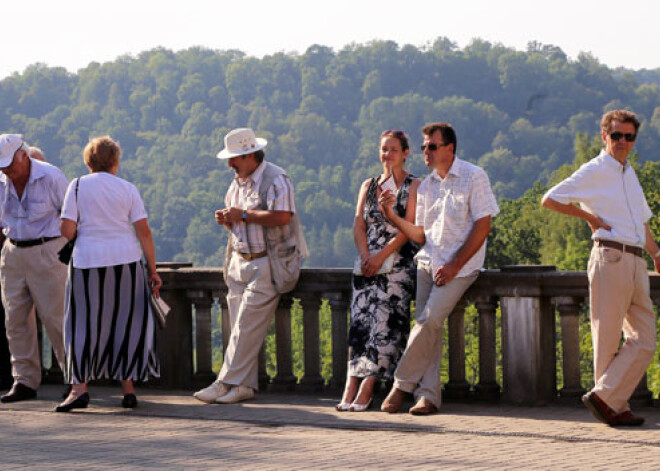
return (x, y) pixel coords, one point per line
(446, 129)
(622, 116)
(399, 135)
(259, 156)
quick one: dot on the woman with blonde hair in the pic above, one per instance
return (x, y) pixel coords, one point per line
(108, 324)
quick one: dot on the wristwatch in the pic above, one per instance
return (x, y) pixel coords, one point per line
(244, 215)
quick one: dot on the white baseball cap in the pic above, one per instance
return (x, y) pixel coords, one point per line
(9, 144)
(241, 141)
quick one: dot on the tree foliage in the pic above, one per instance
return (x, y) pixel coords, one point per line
(516, 114)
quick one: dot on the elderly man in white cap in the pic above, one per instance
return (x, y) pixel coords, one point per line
(6, 379)
(31, 196)
(259, 199)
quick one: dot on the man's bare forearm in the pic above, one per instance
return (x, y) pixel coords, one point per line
(411, 231)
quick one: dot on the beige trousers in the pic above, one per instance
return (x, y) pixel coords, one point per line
(619, 297)
(252, 301)
(418, 371)
(32, 277)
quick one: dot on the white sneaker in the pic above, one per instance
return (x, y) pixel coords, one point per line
(211, 393)
(236, 394)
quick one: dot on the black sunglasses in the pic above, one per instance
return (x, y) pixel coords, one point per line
(431, 146)
(616, 136)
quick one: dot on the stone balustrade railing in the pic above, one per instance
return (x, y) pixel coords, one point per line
(531, 299)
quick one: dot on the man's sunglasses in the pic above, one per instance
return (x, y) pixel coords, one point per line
(431, 146)
(616, 136)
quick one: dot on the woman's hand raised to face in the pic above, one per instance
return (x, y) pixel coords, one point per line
(386, 202)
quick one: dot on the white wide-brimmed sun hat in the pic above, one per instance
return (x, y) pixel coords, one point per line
(9, 144)
(241, 141)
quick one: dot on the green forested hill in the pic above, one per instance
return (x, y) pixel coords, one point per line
(516, 113)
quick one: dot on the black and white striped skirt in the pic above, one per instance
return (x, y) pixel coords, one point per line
(109, 329)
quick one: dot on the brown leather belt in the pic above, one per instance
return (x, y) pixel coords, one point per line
(252, 256)
(31, 242)
(619, 246)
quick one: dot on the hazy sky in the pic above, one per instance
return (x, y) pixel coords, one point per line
(72, 33)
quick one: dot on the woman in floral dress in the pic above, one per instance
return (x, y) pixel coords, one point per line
(380, 308)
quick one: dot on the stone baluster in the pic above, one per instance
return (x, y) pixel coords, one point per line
(312, 379)
(487, 389)
(203, 303)
(264, 379)
(284, 379)
(52, 374)
(569, 311)
(642, 395)
(339, 306)
(225, 322)
(175, 342)
(529, 349)
(457, 387)
(55, 374)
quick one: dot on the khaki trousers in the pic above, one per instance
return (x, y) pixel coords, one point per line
(252, 301)
(32, 277)
(619, 297)
(418, 371)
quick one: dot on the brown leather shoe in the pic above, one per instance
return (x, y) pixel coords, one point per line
(598, 408)
(627, 419)
(393, 401)
(423, 407)
(19, 392)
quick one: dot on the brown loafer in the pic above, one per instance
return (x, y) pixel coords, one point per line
(393, 401)
(598, 408)
(627, 419)
(423, 407)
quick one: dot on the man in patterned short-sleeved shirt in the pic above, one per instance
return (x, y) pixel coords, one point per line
(252, 297)
(454, 208)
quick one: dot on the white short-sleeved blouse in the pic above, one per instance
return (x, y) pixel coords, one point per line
(108, 206)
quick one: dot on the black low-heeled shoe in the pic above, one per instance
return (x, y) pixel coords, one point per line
(129, 401)
(80, 402)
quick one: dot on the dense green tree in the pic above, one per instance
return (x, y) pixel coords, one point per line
(516, 113)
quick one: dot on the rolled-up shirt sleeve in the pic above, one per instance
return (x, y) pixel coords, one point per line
(575, 189)
(280, 195)
(482, 199)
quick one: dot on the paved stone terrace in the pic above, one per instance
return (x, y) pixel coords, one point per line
(171, 430)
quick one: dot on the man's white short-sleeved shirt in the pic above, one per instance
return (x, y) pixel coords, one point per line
(447, 209)
(612, 192)
(108, 206)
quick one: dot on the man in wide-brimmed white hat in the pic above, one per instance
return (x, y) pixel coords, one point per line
(260, 214)
(31, 196)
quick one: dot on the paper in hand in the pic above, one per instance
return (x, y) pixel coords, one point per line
(160, 310)
(388, 184)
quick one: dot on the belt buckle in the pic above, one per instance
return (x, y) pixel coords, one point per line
(245, 256)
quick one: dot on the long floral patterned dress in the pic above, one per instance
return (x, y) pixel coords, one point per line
(380, 308)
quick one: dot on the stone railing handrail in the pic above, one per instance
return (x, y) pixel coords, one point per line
(529, 297)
